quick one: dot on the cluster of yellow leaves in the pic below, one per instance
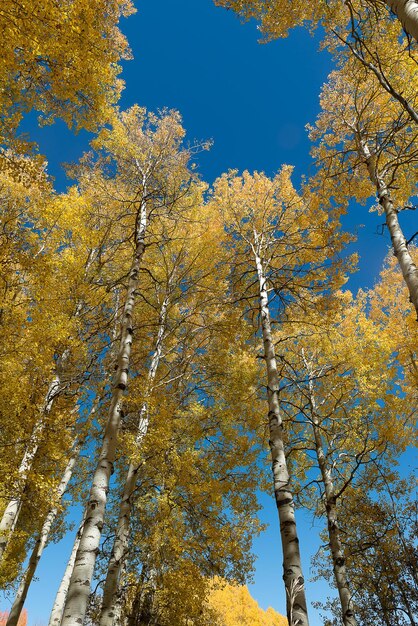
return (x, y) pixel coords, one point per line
(391, 310)
(233, 605)
(296, 240)
(277, 17)
(62, 58)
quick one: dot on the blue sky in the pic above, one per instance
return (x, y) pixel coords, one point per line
(253, 101)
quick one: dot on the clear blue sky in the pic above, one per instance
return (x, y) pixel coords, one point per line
(254, 102)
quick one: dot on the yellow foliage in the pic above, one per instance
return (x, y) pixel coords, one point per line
(233, 605)
(61, 58)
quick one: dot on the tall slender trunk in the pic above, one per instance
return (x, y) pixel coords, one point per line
(41, 542)
(407, 13)
(297, 613)
(12, 511)
(59, 602)
(118, 599)
(338, 559)
(80, 583)
(399, 243)
(120, 544)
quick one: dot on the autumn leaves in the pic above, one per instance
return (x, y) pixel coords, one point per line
(158, 334)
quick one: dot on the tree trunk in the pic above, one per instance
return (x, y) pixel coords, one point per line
(297, 613)
(119, 599)
(79, 589)
(58, 608)
(338, 559)
(399, 243)
(12, 511)
(122, 531)
(41, 542)
(407, 13)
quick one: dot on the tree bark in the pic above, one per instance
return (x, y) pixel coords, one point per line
(12, 511)
(119, 598)
(297, 613)
(41, 542)
(407, 13)
(59, 602)
(399, 243)
(338, 559)
(79, 588)
(120, 544)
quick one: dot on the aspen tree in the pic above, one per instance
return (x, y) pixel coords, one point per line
(379, 534)
(331, 509)
(324, 412)
(152, 179)
(168, 293)
(47, 526)
(278, 254)
(342, 413)
(181, 269)
(185, 274)
(370, 151)
(12, 510)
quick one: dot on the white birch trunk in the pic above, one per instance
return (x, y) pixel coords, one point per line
(407, 13)
(41, 542)
(11, 513)
(80, 583)
(59, 602)
(338, 559)
(297, 613)
(108, 616)
(400, 248)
